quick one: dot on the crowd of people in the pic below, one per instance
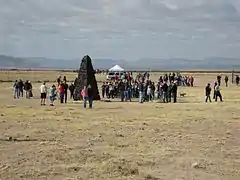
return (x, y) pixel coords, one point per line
(20, 87)
(142, 87)
(125, 88)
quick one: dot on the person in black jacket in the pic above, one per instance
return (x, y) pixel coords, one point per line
(226, 81)
(90, 96)
(165, 91)
(174, 92)
(237, 80)
(121, 87)
(65, 86)
(219, 78)
(208, 92)
(71, 89)
(21, 86)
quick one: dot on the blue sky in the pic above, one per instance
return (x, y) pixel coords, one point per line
(120, 29)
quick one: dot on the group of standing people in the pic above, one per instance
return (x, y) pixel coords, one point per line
(143, 88)
(19, 87)
(61, 89)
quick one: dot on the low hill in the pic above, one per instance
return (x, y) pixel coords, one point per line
(142, 64)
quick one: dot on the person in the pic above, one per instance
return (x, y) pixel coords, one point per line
(16, 90)
(129, 92)
(52, 95)
(59, 80)
(103, 89)
(27, 88)
(87, 95)
(208, 93)
(149, 93)
(21, 86)
(61, 92)
(30, 90)
(214, 93)
(218, 93)
(65, 79)
(219, 80)
(170, 91)
(237, 80)
(65, 86)
(165, 91)
(71, 89)
(226, 81)
(43, 90)
(121, 88)
(191, 80)
(174, 92)
(140, 90)
(125, 91)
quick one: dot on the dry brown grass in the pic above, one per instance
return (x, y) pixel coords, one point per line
(188, 140)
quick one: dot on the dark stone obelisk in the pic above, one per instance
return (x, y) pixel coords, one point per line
(86, 76)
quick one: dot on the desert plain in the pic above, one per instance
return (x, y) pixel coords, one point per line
(189, 140)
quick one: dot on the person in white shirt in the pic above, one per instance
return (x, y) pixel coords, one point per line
(43, 90)
(217, 92)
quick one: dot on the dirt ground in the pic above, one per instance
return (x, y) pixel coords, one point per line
(190, 140)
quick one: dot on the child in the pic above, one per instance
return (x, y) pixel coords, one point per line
(52, 94)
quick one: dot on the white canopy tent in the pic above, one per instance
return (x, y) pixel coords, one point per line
(116, 68)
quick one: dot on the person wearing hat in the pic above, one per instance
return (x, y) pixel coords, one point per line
(208, 90)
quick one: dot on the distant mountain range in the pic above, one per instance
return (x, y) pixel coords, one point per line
(142, 64)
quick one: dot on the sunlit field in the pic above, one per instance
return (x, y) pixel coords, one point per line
(189, 140)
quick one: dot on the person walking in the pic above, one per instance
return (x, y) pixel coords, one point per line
(214, 92)
(43, 90)
(208, 93)
(218, 93)
(237, 80)
(226, 81)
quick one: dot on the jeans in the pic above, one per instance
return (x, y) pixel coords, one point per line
(126, 95)
(165, 99)
(90, 101)
(140, 99)
(169, 96)
(129, 94)
(61, 97)
(16, 93)
(21, 92)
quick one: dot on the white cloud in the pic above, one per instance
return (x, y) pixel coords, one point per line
(126, 29)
